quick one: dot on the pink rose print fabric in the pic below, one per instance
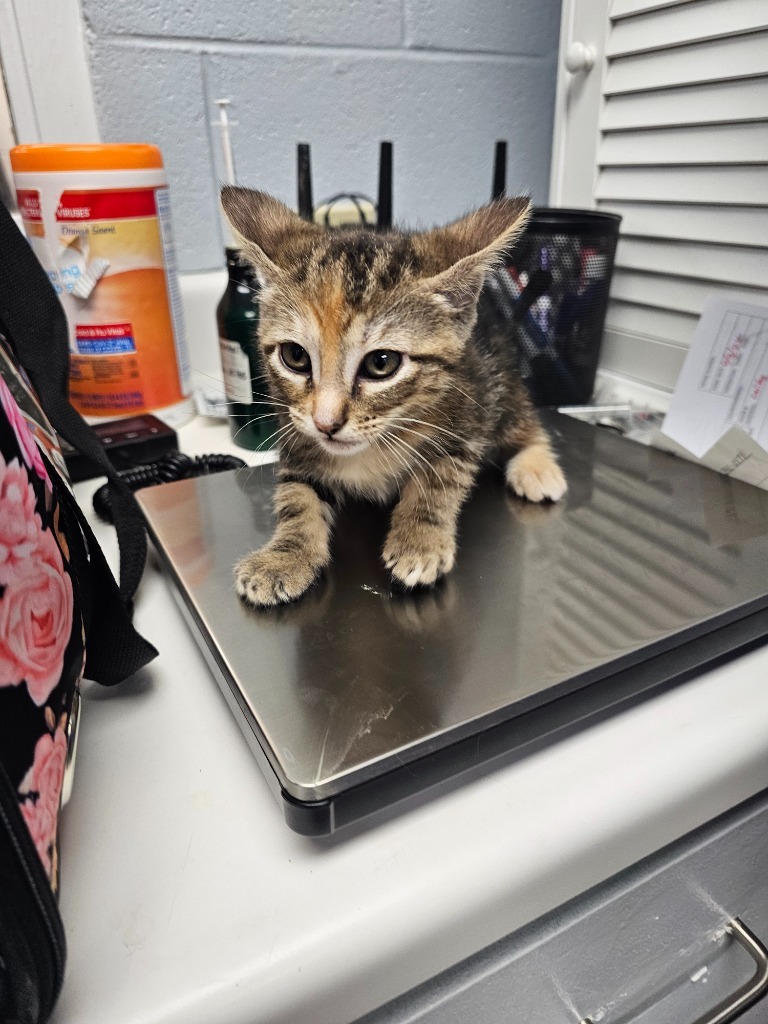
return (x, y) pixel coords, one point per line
(40, 792)
(23, 431)
(37, 603)
(41, 637)
(20, 525)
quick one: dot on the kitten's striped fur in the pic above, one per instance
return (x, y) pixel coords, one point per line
(417, 438)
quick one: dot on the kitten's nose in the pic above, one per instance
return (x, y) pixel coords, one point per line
(328, 425)
(329, 414)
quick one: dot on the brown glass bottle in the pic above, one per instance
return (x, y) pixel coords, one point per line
(252, 421)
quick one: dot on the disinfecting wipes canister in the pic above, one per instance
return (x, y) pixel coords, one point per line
(98, 219)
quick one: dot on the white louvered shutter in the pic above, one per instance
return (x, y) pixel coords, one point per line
(678, 108)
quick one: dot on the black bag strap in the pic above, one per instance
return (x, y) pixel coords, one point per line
(34, 323)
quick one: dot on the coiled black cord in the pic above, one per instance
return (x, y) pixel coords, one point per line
(175, 466)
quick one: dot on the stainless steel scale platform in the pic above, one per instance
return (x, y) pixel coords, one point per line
(356, 697)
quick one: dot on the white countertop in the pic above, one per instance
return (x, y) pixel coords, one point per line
(187, 900)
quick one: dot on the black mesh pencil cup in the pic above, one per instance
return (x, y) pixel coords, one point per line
(553, 293)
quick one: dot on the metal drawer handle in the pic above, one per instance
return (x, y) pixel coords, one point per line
(730, 1008)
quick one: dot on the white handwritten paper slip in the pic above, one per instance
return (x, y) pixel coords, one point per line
(724, 380)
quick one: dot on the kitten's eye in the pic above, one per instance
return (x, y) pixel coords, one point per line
(380, 364)
(295, 357)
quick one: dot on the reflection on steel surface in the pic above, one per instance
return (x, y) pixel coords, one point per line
(543, 600)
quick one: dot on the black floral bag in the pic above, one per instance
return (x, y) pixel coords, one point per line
(61, 615)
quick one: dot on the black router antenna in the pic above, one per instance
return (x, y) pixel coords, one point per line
(384, 206)
(499, 170)
(306, 209)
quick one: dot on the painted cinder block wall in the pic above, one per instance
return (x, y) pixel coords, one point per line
(443, 79)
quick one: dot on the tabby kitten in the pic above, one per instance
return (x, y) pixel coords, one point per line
(384, 387)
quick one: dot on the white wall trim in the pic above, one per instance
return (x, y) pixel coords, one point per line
(47, 74)
(7, 139)
(578, 100)
(561, 97)
(17, 84)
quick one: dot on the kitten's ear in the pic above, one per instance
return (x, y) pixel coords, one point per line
(458, 256)
(262, 226)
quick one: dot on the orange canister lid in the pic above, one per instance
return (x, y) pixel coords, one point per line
(107, 156)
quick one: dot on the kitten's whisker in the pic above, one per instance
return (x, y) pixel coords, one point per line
(292, 443)
(255, 419)
(399, 461)
(219, 380)
(248, 423)
(388, 468)
(267, 463)
(277, 437)
(287, 451)
(279, 407)
(396, 455)
(417, 453)
(282, 433)
(441, 451)
(255, 291)
(275, 434)
(416, 472)
(410, 469)
(434, 426)
(269, 400)
(471, 399)
(274, 412)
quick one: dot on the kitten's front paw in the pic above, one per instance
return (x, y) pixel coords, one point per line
(267, 578)
(418, 556)
(534, 474)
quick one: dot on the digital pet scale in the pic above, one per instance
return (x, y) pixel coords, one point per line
(356, 697)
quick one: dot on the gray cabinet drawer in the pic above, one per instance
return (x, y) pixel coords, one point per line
(647, 947)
